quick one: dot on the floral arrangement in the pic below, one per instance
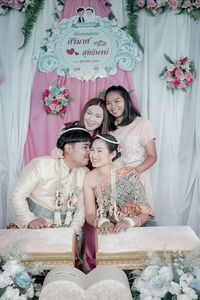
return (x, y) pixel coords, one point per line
(191, 7)
(162, 279)
(55, 100)
(179, 74)
(21, 5)
(16, 281)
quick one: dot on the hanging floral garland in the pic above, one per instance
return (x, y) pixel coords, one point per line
(153, 7)
(21, 5)
(179, 74)
(55, 100)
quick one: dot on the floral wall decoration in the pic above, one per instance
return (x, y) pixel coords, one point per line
(153, 7)
(179, 74)
(55, 100)
(21, 5)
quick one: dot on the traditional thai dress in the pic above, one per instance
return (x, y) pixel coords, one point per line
(34, 194)
(132, 138)
(123, 197)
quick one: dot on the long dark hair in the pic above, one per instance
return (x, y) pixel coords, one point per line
(130, 112)
(110, 146)
(96, 101)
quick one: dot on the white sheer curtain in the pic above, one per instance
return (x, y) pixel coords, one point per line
(175, 118)
(17, 71)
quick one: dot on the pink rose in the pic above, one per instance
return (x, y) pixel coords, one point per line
(52, 106)
(65, 92)
(46, 92)
(1, 79)
(1, 3)
(186, 4)
(151, 3)
(51, 97)
(140, 3)
(189, 81)
(179, 74)
(197, 3)
(182, 85)
(177, 63)
(63, 110)
(184, 60)
(167, 75)
(60, 97)
(173, 3)
(16, 4)
(171, 85)
(176, 82)
(188, 75)
(58, 107)
(47, 109)
(55, 101)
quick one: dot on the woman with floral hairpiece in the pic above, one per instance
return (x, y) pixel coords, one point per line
(121, 198)
(134, 133)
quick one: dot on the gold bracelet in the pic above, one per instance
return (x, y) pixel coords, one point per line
(139, 221)
(95, 223)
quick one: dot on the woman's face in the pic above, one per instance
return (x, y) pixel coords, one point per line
(99, 154)
(115, 105)
(93, 118)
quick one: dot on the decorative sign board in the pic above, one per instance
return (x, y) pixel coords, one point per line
(88, 47)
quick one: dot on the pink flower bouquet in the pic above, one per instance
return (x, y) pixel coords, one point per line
(179, 74)
(55, 100)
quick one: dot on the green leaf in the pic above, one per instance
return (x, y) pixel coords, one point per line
(2, 291)
(168, 59)
(101, 93)
(163, 72)
(31, 16)
(111, 16)
(108, 4)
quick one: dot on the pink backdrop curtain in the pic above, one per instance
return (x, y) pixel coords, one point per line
(43, 127)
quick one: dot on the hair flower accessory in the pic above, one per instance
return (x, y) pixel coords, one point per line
(179, 74)
(55, 99)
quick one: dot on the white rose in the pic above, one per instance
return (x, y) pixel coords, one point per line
(8, 277)
(185, 279)
(3, 281)
(150, 272)
(170, 67)
(190, 292)
(174, 288)
(166, 273)
(183, 297)
(11, 294)
(22, 297)
(14, 267)
(30, 292)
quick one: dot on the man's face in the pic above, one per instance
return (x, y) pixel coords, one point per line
(80, 154)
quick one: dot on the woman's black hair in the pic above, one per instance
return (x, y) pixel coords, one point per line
(130, 112)
(111, 147)
(73, 136)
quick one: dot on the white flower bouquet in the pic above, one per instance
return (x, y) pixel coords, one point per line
(16, 281)
(162, 279)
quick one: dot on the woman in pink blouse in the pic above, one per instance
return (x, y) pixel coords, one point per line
(134, 133)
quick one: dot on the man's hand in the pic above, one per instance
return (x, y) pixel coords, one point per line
(38, 223)
(12, 226)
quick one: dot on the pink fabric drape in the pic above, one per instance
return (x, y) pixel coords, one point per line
(43, 127)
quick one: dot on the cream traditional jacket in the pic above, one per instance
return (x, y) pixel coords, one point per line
(39, 181)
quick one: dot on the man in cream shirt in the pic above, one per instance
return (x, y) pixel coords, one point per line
(49, 189)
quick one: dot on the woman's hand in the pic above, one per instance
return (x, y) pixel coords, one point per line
(121, 226)
(106, 228)
(136, 173)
